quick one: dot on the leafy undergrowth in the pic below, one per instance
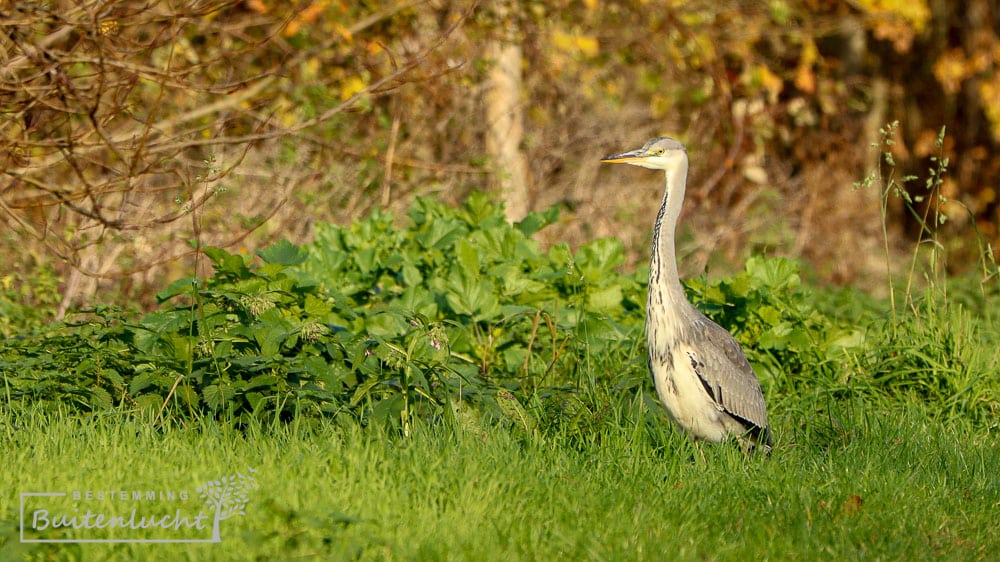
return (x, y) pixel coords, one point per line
(459, 314)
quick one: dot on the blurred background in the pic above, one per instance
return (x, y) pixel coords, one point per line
(134, 133)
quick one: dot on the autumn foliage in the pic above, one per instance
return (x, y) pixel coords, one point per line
(134, 134)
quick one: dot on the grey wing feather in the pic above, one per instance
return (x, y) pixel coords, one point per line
(727, 375)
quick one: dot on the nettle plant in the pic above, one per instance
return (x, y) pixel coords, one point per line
(479, 305)
(457, 311)
(371, 321)
(248, 340)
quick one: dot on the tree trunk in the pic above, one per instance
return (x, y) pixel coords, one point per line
(505, 127)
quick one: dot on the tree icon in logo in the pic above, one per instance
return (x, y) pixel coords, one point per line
(228, 497)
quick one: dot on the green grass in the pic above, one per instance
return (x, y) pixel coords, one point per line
(856, 482)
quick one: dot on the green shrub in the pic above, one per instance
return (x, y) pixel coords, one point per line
(27, 302)
(458, 313)
(370, 321)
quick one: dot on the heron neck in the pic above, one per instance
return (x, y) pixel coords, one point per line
(664, 283)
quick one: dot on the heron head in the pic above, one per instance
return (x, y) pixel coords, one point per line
(661, 153)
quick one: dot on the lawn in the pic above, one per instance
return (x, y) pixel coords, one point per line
(861, 482)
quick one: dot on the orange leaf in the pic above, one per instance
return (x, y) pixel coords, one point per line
(257, 6)
(313, 11)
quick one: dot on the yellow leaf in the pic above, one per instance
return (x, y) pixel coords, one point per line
(914, 12)
(352, 86)
(951, 69)
(761, 77)
(284, 110)
(109, 27)
(989, 93)
(587, 45)
(575, 43)
(310, 69)
(343, 32)
(898, 21)
(805, 77)
(809, 54)
(562, 40)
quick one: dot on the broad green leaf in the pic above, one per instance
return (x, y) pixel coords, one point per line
(386, 324)
(769, 314)
(284, 252)
(468, 258)
(184, 285)
(605, 300)
(411, 275)
(776, 273)
(471, 297)
(214, 397)
(99, 398)
(536, 220)
(263, 381)
(598, 260)
(228, 264)
(149, 402)
(141, 382)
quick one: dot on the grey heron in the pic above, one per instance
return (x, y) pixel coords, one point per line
(700, 372)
